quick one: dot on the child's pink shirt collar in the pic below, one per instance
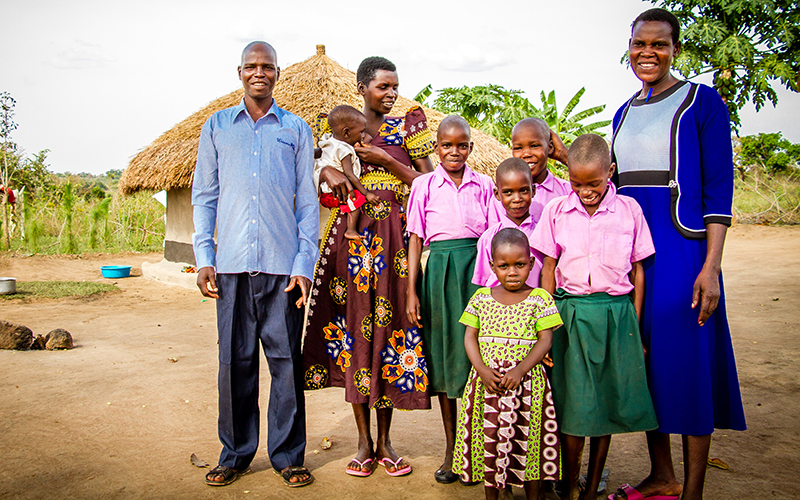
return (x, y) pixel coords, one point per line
(441, 176)
(573, 202)
(550, 183)
(483, 274)
(438, 210)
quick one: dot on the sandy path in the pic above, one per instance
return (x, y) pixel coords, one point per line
(113, 418)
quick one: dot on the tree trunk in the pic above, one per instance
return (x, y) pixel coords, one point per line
(6, 227)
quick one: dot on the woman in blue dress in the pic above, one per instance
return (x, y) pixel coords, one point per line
(672, 147)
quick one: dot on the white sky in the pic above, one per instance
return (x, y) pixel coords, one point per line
(97, 81)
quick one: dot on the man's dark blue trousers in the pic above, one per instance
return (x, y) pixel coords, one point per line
(253, 308)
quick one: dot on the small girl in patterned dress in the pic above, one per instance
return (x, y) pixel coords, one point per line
(507, 430)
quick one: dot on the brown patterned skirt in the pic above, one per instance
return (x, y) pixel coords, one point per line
(358, 336)
(510, 438)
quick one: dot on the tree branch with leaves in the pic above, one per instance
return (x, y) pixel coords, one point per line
(7, 125)
(749, 46)
(495, 110)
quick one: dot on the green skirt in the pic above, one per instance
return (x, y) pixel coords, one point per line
(446, 290)
(598, 378)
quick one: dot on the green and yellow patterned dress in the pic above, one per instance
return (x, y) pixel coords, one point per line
(509, 438)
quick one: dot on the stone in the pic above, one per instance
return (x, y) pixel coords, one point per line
(13, 336)
(58, 339)
(38, 344)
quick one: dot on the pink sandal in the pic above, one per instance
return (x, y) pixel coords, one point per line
(397, 471)
(360, 472)
(632, 493)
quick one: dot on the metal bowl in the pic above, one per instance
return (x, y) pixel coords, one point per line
(8, 286)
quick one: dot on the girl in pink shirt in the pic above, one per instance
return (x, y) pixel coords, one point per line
(594, 241)
(533, 142)
(448, 210)
(514, 191)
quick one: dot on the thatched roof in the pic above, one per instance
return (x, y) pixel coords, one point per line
(306, 89)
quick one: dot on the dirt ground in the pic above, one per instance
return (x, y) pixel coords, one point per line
(114, 418)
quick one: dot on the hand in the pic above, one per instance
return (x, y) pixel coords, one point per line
(305, 288)
(512, 379)
(547, 360)
(375, 156)
(559, 149)
(207, 282)
(337, 181)
(491, 379)
(413, 309)
(706, 293)
(373, 198)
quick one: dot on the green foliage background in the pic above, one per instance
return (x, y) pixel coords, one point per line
(495, 110)
(79, 213)
(130, 223)
(748, 45)
(767, 184)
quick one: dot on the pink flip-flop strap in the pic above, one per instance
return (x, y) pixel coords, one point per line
(631, 493)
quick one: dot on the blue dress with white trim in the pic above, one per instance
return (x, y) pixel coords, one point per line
(673, 156)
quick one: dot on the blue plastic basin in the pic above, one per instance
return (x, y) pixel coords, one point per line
(115, 271)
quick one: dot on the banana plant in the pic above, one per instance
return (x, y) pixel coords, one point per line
(495, 110)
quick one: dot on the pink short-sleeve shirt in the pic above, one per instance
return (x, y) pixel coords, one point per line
(594, 252)
(439, 210)
(483, 275)
(552, 187)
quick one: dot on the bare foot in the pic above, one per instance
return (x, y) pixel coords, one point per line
(448, 461)
(352, 234)
(506, 494)
(650, 487)
(364, 453)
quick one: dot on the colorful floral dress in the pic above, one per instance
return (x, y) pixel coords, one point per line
(513, 437)
(358, 336)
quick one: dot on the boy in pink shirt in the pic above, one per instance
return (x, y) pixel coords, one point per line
(531, 140)
(514, 191)
(448, 210)
(594, 241)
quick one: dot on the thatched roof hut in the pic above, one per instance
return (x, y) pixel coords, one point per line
(306, 89)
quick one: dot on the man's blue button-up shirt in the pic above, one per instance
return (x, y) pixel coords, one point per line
(253, 181)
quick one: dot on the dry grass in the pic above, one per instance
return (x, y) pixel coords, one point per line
(306, 89)
(761, 198)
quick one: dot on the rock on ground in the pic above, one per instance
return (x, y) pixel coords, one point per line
(58, 339)
(38, 344)
(13, 336)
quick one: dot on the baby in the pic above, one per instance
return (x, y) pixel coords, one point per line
(348, 125)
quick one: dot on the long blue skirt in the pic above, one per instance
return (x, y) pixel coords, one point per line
(691, 369)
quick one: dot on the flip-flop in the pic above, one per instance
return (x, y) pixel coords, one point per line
(229, 475)
(397, 471)
(360, 472)
(632, 494)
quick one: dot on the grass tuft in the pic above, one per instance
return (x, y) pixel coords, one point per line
(58, 289)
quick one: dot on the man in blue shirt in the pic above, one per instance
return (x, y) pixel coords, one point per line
(253, 182)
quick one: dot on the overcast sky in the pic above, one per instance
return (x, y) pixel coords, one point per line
(97, 81)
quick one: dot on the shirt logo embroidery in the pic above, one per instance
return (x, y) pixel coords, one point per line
(290, 144)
